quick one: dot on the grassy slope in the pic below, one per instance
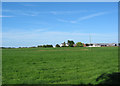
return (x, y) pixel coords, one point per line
(58, 65)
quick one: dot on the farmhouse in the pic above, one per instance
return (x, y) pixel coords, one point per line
(74, 45)
(64, 44)
(84, 45)
(90, 44)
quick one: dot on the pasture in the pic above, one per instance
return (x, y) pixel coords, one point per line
(65, 65)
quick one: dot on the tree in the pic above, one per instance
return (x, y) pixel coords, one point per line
(70, 43)
(39, 46)
(79, 44)
(89, 44)
(64, 44)
(57, 45)
(49, 45)
(44, 46)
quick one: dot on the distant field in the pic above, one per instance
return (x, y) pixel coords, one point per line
(58, 65)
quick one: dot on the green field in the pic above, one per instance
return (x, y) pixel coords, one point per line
(58, 65)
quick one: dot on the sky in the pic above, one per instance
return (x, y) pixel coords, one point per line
(37, 23)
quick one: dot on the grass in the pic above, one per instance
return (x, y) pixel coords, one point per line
(58, 65)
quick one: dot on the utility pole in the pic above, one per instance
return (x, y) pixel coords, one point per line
(90, 40)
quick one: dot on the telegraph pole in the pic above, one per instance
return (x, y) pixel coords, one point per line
(90, 40)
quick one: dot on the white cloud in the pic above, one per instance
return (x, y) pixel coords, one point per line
(6, 16)
(83, 18)
(92, 15)
(67, 21)
(42, 36)
(42, 33)
(67, 12)
(61, 20)
(20, 12)
(36, 13)
(29, 5)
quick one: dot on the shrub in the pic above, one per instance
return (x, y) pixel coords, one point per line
(57, 45)
(79, 44)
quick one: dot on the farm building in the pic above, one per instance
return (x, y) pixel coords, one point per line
(74, 45)
(102, 44)
(108, 44)
(64, 44)
(95, 45)
(84, 45)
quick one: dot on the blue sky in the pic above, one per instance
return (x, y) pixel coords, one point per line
(37, 23)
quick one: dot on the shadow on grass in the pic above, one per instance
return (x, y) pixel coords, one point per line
(109, 79)
(104, 80)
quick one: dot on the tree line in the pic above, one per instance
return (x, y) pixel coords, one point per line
(70, 43)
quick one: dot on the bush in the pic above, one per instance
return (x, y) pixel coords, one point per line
(79, 44)
(47, 46)
(89, 44)
(44, 46)
(39, 46)
(57, 45)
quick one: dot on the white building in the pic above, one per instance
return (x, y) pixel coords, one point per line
(102, 44)
(95, 45)
(62, 44)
